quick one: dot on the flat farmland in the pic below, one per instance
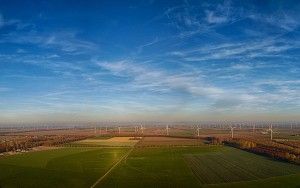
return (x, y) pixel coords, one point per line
(64, 167)
(200, 167)
(154, 162)
(107, 142)
(174, 131)
(169, 141)
(156, 167)
(235, 165)
(289, 181)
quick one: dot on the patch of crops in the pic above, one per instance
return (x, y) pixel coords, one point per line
(236, 165)
(156, 167)
(169, 141)
(65, 167)
(113, 142)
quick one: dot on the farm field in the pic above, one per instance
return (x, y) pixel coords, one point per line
(110, 142)
(198, 167)
(289, 181)
(162, 167)
(169, 141)
(154, 162)
(235, 165)
(65, 167)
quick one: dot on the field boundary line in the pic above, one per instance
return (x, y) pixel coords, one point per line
(111, 169)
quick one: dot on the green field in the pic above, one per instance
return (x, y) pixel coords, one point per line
(235, 165)
(290, 181)
(65, 167)
(164, 166)
(198, 167)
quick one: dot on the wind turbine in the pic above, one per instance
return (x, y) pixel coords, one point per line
(271, 131)
(142, 129)
(198, 131)
(231, 129)
(167, 129)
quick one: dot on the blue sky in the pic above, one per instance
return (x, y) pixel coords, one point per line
(149, 60)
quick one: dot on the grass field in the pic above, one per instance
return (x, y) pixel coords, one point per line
(65, 167)
(161, 166)
(198, 167)
(235, 165)
(290, 181)
(154, 167)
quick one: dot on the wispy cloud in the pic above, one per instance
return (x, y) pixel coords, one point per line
(239, 50)
(18, 24)
(279, 19)
(212, 18)
(219, 14)
(222, 57)
(141, 47)
(64, 41)
(68, 42)
(157, 80)
(221, 98)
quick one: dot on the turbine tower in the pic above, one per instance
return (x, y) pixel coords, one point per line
(142, 129)
(231, 129)
(167, 128)
(198, 131)
(271, 131)
(119, 128)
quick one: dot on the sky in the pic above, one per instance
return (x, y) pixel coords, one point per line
(149, 60)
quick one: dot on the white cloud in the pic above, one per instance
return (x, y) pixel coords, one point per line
(13, 22)
(278, 82)
(141, 47)
(212, 18)
(244, 97)
(159, 80)
(241, 67)
(277, 19)
(269, 47)
(65, 41)
(68, 42)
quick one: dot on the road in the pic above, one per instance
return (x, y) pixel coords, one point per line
(111, 169)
